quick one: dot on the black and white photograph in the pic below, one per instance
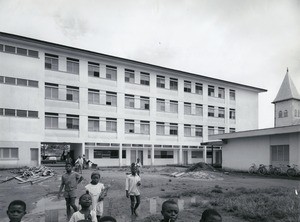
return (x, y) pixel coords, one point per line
(149, 110)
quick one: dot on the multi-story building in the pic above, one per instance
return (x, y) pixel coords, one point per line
(111, 109)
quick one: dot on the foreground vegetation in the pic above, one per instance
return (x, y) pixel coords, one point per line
(264, 205)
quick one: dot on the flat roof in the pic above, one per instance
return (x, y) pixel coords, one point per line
(258, 132)
(36, 41)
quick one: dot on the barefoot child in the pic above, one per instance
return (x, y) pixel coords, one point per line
(133, 181)
(85, 214)
(69, 181)
(98, 192)
(16, 210)
(169, 211)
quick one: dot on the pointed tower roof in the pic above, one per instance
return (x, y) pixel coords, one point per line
(287, 90)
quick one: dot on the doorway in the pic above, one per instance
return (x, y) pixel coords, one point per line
(185, 157)
(34, 156)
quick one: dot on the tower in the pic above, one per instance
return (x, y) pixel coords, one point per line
(287, 104)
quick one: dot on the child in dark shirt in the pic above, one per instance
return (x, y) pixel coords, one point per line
(16, 210)
(169, 211)
(69, 181)
(211, 215)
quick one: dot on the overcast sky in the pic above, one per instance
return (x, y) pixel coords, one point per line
(245, 41)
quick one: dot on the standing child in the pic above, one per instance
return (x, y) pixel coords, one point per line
(133, 181)
(79, 161)
(98, 192)
(211, 215)
(69, 181)
(85, 214)
(169, 211)
(16, 210)
(138, 165)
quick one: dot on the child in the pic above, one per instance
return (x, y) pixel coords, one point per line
(98, 192)
(138, 165)
(211, 215)
(69, 181)
(133, 181)
(169, 211)
(79, 162)
(85, 214)
(16, 210)
(107, 219)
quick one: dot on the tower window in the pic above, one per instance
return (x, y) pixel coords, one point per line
(280, 114)
(285, 113)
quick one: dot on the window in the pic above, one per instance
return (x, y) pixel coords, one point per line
(221, 93)
(295, 112)
(10, 112)
(232, 94)
(1, 111)
(33, 53)
(51, 62)
(198, 131)
(211, 111)
(280, 114)
(187, 130)
(197, 154)
(22, 82)
(173, 129)
(22, 113)
(231, 113)
(211, 130)
(9, 153)
(93, 69)
(129, 101)
(51, 91)
(1, 48)
(173, 106)
(211, 91)
(145, 103)
(111, 98)
(73, 65)
(72, 94)
(1, 79)
(187, 108)
(10, 80)
(111, 72)
(51, 120)
(160, 81)
(93, 96)
(108, 154)
(111, 125)
(160, 128)
(199, 110)
(33, 83)
(160, 103)
(198, 88)
(285, 114)
(187, 86)
(280, 153)
(173, 84)
(145, 79)
(163, 154)
(129, 76)
(93, 123)
(21, 51)
(221, 130)
(129, 126)
(33, 114)
(231, 130)
(10, 49)
(72, 122)
(145, 127)
(221, 112)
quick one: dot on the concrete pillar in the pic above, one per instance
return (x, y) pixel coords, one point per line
(152, 155)
(120, 155)
(204, 154)
(180, 155)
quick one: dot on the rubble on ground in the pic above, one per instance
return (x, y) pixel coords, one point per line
(31, 174)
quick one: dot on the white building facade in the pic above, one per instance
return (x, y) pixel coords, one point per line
(111, 109)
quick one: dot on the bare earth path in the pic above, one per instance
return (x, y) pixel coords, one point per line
(42, 196)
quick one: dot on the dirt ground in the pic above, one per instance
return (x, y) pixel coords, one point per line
(42, 197)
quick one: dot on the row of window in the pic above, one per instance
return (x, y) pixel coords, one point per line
(18, 81)
(19, 113)
(19, 51)
(103, 124)
(52, 63)
(285, 113)
(9, 153)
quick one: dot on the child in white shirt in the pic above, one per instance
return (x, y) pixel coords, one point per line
(98, 192)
